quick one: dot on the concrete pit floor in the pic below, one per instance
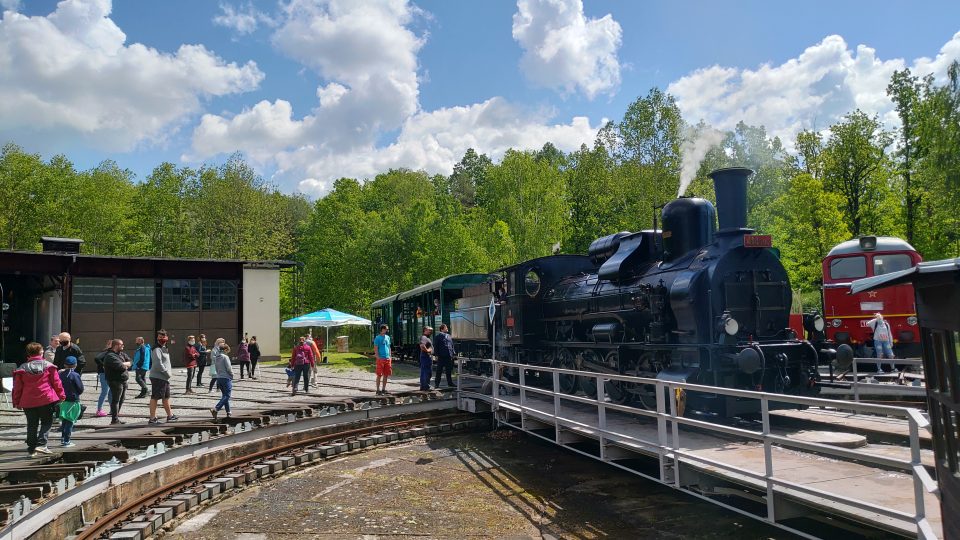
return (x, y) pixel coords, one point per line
(501, 484)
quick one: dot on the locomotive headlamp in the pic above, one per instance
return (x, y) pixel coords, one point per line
(730, 325)
(813, 322)
(912, 321)
(818, 323)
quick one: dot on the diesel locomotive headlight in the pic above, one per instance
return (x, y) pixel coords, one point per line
(837, 323)
(819, 324)
(912, 321)
(731, 326)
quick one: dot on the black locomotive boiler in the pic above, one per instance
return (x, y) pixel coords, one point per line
(687, 303)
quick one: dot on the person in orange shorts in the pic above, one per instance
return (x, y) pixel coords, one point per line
(381, 345)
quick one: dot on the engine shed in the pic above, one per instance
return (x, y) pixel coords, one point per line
(98, 297)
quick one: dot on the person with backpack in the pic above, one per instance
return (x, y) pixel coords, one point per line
(243, 356)
(301, 361)
(70, 407)
(224, 380)
(102, 379)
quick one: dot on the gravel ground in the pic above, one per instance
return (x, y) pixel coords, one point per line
(501, 485)
(270, 386)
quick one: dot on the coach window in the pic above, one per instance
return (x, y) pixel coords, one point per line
(893, 262)
(848, 267)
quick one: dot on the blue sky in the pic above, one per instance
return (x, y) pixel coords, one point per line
(310, 90)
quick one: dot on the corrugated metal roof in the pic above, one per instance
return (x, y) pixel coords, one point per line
(278, 263)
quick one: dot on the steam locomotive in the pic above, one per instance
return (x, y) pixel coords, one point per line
(686, 303)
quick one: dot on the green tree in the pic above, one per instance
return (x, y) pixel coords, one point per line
(905, 91)
(807, 222)
(855, 167)
(529, 195)
(467, 175)
(649, 138)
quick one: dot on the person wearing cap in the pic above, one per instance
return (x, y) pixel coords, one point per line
(426, 358)
(37, 390)
(70, 408)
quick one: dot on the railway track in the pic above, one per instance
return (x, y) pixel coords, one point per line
(60, 497)
(144, 515)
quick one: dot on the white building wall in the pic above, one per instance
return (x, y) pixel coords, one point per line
(261, 308)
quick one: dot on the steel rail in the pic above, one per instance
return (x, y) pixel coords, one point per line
(104, 523)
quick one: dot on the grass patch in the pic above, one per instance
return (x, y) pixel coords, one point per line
(351, 361)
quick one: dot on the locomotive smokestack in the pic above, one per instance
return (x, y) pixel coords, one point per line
(730, 185)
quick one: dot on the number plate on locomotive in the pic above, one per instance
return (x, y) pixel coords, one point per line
(757, 240)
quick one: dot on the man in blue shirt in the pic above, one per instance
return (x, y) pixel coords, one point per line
(141, 365)
(384, 368)
(443, 345)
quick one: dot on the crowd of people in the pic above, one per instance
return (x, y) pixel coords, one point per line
(48, 385)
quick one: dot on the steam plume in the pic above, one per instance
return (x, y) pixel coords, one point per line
(694, 148)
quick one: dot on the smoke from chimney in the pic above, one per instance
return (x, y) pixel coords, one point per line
(694, 148)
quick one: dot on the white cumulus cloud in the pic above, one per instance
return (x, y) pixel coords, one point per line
(565, 50)
(811, 91)
(243, 19)
(367, 55)
(12, 5)
(71, 76)
(434, 141)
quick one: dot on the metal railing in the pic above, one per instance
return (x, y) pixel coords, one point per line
(858, 386)
(667, 446)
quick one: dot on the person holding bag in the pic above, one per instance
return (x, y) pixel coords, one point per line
(70, 408)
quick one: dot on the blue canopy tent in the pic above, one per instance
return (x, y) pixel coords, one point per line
(325, 318)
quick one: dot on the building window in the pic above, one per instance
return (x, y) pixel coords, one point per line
(135, 295)
(219, 295)
(181, 294)
(93, 295)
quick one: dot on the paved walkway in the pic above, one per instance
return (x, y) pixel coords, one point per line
(269, 387)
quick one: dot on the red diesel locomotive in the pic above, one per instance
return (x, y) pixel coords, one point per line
(847, 314)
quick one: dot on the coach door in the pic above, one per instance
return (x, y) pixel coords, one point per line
(943, 393)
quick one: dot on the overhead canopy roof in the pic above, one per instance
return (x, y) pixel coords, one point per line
(905, 276)
(325, 318)
(456, 281)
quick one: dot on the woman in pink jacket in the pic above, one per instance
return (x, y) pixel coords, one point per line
(38, 391)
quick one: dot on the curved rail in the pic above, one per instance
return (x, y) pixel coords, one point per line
(105, 523)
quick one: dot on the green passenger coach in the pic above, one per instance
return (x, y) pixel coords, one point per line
(432, 304)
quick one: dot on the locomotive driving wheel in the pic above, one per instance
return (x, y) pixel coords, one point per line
(646, 393)
(566, 360)
(588, 384)
(617, 391)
